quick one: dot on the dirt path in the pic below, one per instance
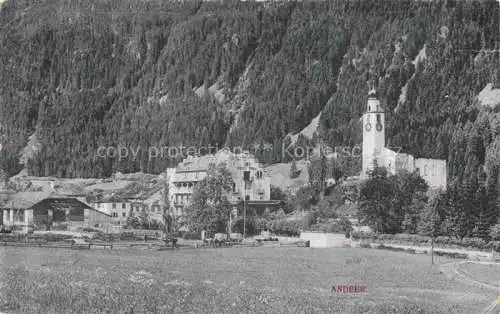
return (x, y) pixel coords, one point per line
(452, 271)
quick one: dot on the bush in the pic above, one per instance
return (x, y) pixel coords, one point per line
(363, 235)
(495, 245)
(309, 220)
(90, 230)
(50, 237)
(191, 236)
(127, 236)
(60, 226)
(6, 229)
(285, 227)
(249, 226)
(495, 232)
(474, 243)
(365, 245)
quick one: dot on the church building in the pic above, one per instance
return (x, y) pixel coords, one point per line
(433, 171)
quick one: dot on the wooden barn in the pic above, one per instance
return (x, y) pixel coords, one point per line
(53, 212)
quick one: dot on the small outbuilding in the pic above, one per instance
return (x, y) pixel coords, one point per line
(53, 212)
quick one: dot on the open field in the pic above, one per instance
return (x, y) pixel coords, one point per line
(232, 280)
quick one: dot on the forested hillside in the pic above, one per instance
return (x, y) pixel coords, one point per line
(77, 76)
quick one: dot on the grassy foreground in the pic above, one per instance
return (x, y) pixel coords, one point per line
(232, 280)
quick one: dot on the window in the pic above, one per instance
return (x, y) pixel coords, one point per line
(124, 205)
(261, 197)
(124, 214)
(118, 222)
(246, 175)
(378, 118)
(113, 205)
(259, 174)
(114, 214)
(234, 187)
(247, 197)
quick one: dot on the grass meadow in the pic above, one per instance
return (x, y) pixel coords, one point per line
(484, 273)
(230, 280)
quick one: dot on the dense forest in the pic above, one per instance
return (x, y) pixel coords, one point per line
(77, 76)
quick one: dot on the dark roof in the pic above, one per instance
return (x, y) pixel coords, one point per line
(372, 93)
(23, 200)
(60, 203)
(201, 163)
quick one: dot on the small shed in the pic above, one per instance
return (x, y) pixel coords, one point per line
(68, 211)
(47, 210)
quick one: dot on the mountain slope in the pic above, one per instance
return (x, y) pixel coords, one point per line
(127, 75)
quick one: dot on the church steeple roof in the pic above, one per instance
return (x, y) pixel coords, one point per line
(373, 92)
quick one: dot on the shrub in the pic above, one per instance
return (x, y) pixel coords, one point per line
(60, 226)
(191, 236)
(50, 237)
(495, 245)
(285, 227)
(127, 236)
(495, 232)
(474, 243)
(362, 235)
(365, 245)
(90, 230)
(309, 220)
(248, 226)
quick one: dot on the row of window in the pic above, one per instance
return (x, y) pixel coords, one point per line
(124, 205)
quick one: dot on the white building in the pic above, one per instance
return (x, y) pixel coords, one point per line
(118, 209)
(251, 183)
(433, 171)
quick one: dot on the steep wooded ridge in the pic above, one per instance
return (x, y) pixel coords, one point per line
(76, 76)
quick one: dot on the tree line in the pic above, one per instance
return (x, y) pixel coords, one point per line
(143, 74)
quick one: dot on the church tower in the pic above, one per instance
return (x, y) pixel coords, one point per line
(373, 134)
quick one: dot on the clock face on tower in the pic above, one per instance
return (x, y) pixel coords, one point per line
(379, 126)
(368, 127)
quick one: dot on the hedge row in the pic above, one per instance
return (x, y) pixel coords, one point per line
(286, 227)
(191, 235)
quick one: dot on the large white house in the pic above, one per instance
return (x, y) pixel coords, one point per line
(251, 183)
(433, 171)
